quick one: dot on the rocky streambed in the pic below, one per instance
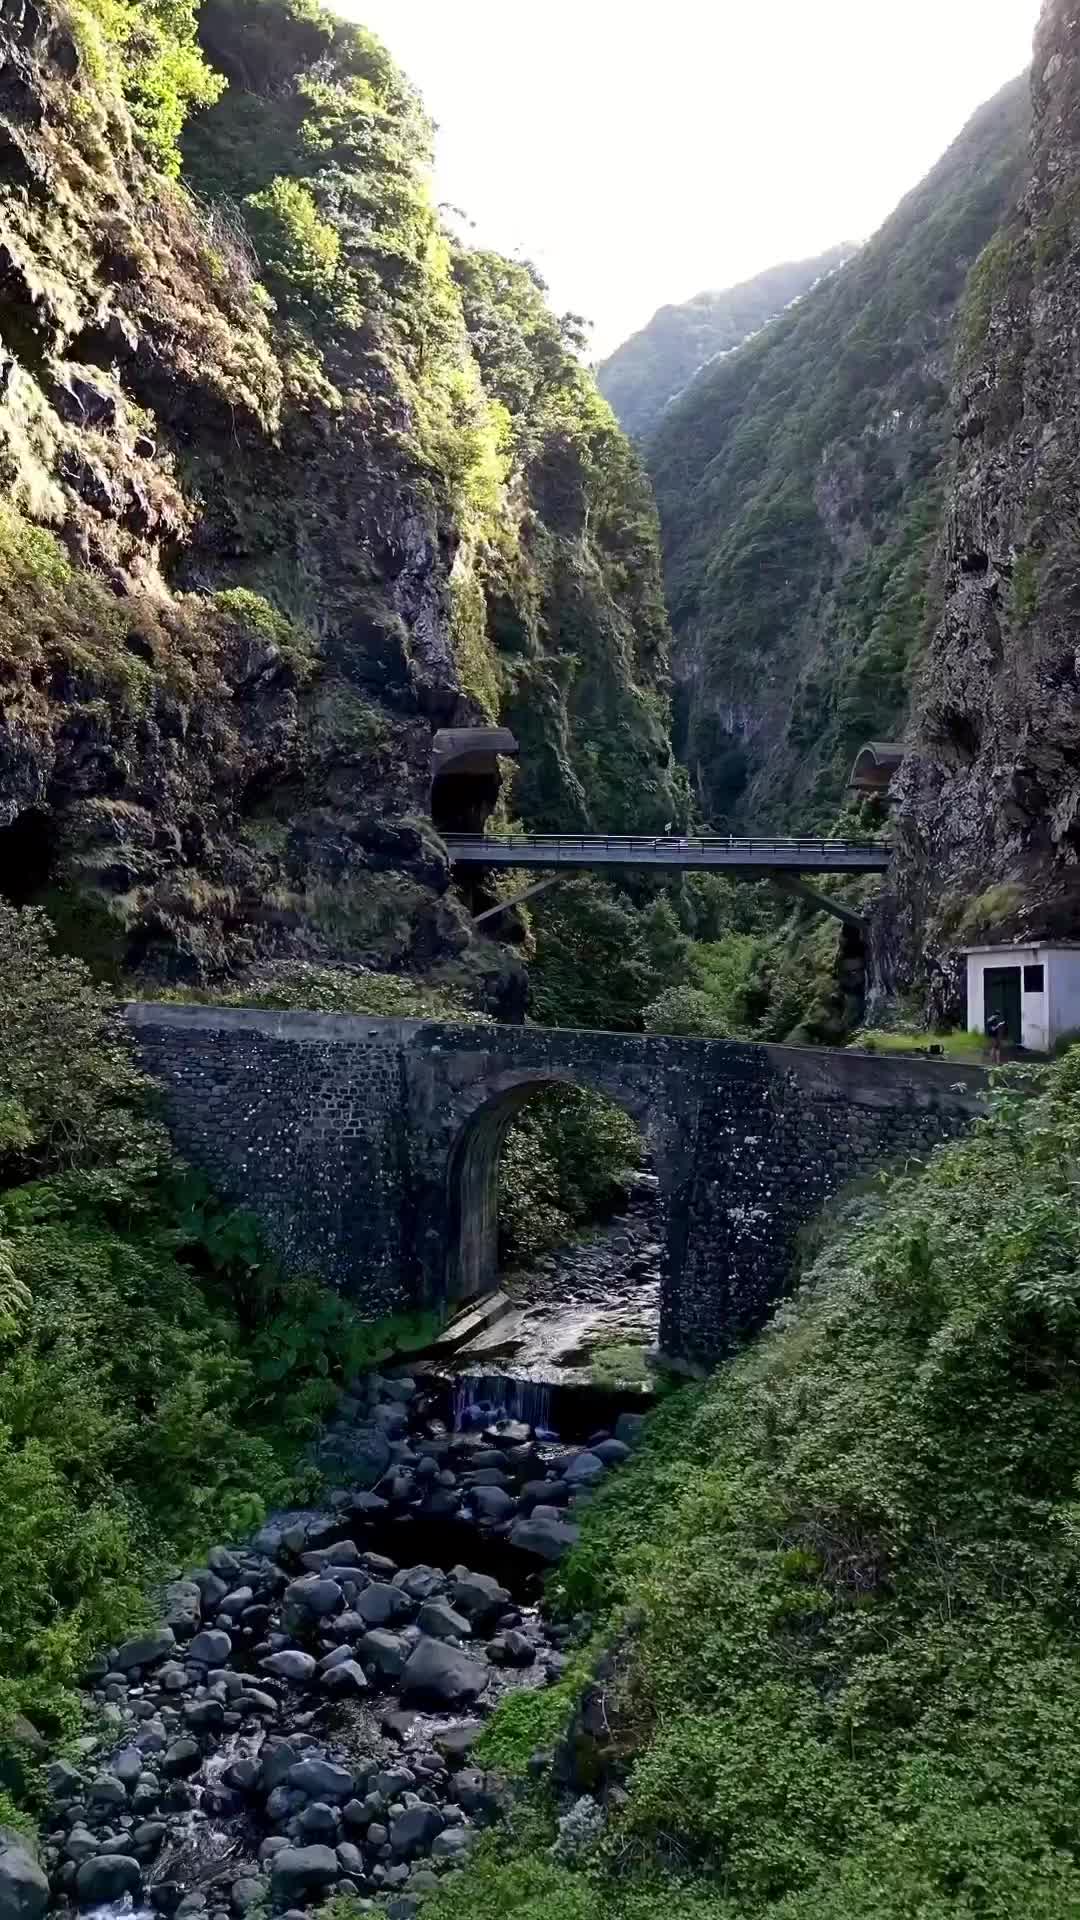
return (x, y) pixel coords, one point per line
(301, 1721)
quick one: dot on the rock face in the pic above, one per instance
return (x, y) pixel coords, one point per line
(24, 1889)
(799, 486)
(269, 575)
(988, 819)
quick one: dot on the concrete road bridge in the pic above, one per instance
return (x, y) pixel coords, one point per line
(714, 852)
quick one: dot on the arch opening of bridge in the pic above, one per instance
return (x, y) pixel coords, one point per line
(473, 1174)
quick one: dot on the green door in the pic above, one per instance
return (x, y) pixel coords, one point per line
(1001, 996)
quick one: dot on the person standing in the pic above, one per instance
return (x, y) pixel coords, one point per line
(995, 1033)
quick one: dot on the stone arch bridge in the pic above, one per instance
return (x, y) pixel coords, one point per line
(369, 1148)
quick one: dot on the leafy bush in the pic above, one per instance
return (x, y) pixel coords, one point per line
(852, 1679)
(162, 72)
(158, 1376)
(567, 1160)
(304, 987)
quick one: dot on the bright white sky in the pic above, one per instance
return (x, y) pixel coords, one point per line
(641, 154)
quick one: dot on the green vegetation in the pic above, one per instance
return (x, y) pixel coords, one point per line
(655, 364)
(619, 1365)
(158, 1376)
(300, 986)
(162, 73)
(799, 486)
(599, 960)
(847, 1567)
(954, 1046)
(567, 1160)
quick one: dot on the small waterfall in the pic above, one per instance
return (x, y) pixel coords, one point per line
(483, 1399)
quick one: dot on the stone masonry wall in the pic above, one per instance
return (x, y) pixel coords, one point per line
(353, 1139)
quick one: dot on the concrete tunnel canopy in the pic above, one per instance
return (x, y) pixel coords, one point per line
(875, 765)
(465, 775)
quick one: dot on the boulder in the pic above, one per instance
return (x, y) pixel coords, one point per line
(298, 1871)
(292, 1665)
(547, 1539)
(549, 1493)
(321, 1779)
(420, 1583)
(612, 1452)
(381, 1603)
(478, 1597)
(384, 1651)
(277, 1760)
(345, 1681)
(145, 1650)
(492, 1503)
(107, 1877)
(24, 1890)
(583, 1469)
(438, 1618)
(511, 1649)
(413, 1831)
(629, 1428)
(442, 1676)
(182, 1607)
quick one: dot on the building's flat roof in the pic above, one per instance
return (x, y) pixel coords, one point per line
(1028, 946)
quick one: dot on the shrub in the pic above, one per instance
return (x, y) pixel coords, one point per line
(567, 1160)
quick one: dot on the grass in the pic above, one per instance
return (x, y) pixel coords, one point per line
(953, 1046)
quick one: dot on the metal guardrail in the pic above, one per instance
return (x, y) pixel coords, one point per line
(719, 850)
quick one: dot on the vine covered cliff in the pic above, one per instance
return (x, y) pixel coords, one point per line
(290, 481)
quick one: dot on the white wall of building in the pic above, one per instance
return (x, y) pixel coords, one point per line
(1045, 1015)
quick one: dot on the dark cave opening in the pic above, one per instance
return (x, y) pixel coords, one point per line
(27, 854)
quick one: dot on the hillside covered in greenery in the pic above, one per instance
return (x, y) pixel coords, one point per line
(801, 484)
(653, 366)
(838, 1590)
(290, 481)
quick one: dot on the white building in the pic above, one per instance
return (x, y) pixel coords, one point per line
(1035, 990)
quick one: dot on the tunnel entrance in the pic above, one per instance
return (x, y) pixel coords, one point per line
(466, 776)
(558, 1220)
(27, 853)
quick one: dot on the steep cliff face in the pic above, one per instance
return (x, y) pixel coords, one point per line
(799, 483)
(652, 367)
(283, 494)
(989, 817)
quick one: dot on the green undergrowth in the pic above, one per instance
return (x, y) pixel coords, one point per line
(159, 1377)
(954, 1046)
(846, 1573)
(568, 1160)
(303, 987)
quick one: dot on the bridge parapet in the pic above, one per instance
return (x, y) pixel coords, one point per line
(369, 1148)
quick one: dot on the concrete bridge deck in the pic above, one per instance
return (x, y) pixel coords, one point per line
(712, 851)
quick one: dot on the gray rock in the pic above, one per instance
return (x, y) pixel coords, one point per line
(438, 1618)
(297, 1871)
(318, 1821)
(551, 1493)
(81, 1843)
(441, 1675)
(65, 1782)
(181, 1757)
(24, 1890)
(345, 1681)
(547, 1539)
(204, 1716)
(350, 1859)
(210, 1649)
(182, 1607)
(381, 1603)
(384, 1651)
(420, 1583)
(291, 1665)
(454, 1742)
(413, 1831)
(630, 1428)
(108, 1791)
(146, 1650)
(452, 1843)
(511, 1649)
(492, 1503)
(107, 1877)
(477, 1596)
(277, 1760)
(612, 1452)
(321, 1779)
(128, 1765)
(335, 1659)
(311, 1598)
(247, 1892)
(583, 1469)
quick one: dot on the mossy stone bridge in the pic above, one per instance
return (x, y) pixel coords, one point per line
(369, 1148)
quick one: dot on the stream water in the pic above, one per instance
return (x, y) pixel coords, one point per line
(304, 1723)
